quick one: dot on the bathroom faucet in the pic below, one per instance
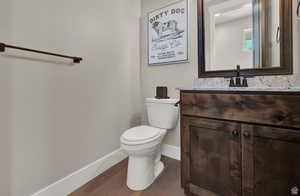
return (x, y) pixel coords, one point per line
(237, 82)
(238, 76)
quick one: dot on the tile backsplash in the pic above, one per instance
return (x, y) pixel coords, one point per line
(292, 81)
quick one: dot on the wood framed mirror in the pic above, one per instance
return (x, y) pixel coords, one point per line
(255, 34)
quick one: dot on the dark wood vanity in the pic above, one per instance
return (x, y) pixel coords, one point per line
(240, 143)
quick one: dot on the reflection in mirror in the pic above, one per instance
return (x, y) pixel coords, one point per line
(272, 33)
(235, 31)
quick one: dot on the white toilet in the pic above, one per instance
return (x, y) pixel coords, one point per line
(143, 143)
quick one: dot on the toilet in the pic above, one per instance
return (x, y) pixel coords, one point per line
(143, 143)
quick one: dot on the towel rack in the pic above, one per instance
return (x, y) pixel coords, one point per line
(3, 46)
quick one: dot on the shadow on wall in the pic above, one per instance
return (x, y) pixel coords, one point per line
(53, 62)
(5, 162)
(136, 120)
(5, 129)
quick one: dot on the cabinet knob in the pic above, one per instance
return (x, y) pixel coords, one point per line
(235, 133)
(295, 191)
(247, 134)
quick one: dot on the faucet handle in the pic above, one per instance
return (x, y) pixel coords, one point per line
(231, 83)
(238, 82)
(245, 82)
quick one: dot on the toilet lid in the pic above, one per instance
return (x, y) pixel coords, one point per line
(141, 133)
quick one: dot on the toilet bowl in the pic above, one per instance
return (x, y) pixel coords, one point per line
(143, 143)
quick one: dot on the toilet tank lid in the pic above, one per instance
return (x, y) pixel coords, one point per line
(141, 133)
(162, 101)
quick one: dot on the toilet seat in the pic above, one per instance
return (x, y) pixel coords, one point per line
(140, 135)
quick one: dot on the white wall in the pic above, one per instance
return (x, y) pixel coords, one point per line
(5, 104)
(173, 76)
(67, 116)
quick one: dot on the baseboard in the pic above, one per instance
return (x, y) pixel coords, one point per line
(75, 180)
(171, 151)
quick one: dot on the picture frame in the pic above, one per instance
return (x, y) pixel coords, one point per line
(168, 34)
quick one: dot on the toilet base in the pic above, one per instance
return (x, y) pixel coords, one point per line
(140, 178)
(159, 167)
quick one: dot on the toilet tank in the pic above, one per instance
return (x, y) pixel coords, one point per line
(162, 113)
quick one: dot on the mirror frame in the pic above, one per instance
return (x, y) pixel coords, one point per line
(286, 44)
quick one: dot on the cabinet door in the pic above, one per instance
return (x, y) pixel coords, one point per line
(271, 161)
(215, 161)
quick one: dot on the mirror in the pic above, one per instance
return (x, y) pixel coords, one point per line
(255, 34)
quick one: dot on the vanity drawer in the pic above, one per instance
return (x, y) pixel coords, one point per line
(269, 108)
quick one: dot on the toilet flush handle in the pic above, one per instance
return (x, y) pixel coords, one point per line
(177, 104)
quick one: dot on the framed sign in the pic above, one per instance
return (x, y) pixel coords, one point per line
(168, 34)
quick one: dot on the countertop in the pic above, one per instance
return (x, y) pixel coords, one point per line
(248, 89)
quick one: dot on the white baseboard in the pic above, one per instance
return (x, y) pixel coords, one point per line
(171, 151)
(75, 180)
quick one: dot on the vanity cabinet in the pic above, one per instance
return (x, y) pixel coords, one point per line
(240, 143)
(215, 156)
(271, 160)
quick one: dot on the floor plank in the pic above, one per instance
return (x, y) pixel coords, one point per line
(113, 182)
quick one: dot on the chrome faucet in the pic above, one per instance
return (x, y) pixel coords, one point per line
(237, 82)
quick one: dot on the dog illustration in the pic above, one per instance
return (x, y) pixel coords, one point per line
(166, 30)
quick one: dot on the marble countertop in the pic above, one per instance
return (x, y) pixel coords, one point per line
(244, 89)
